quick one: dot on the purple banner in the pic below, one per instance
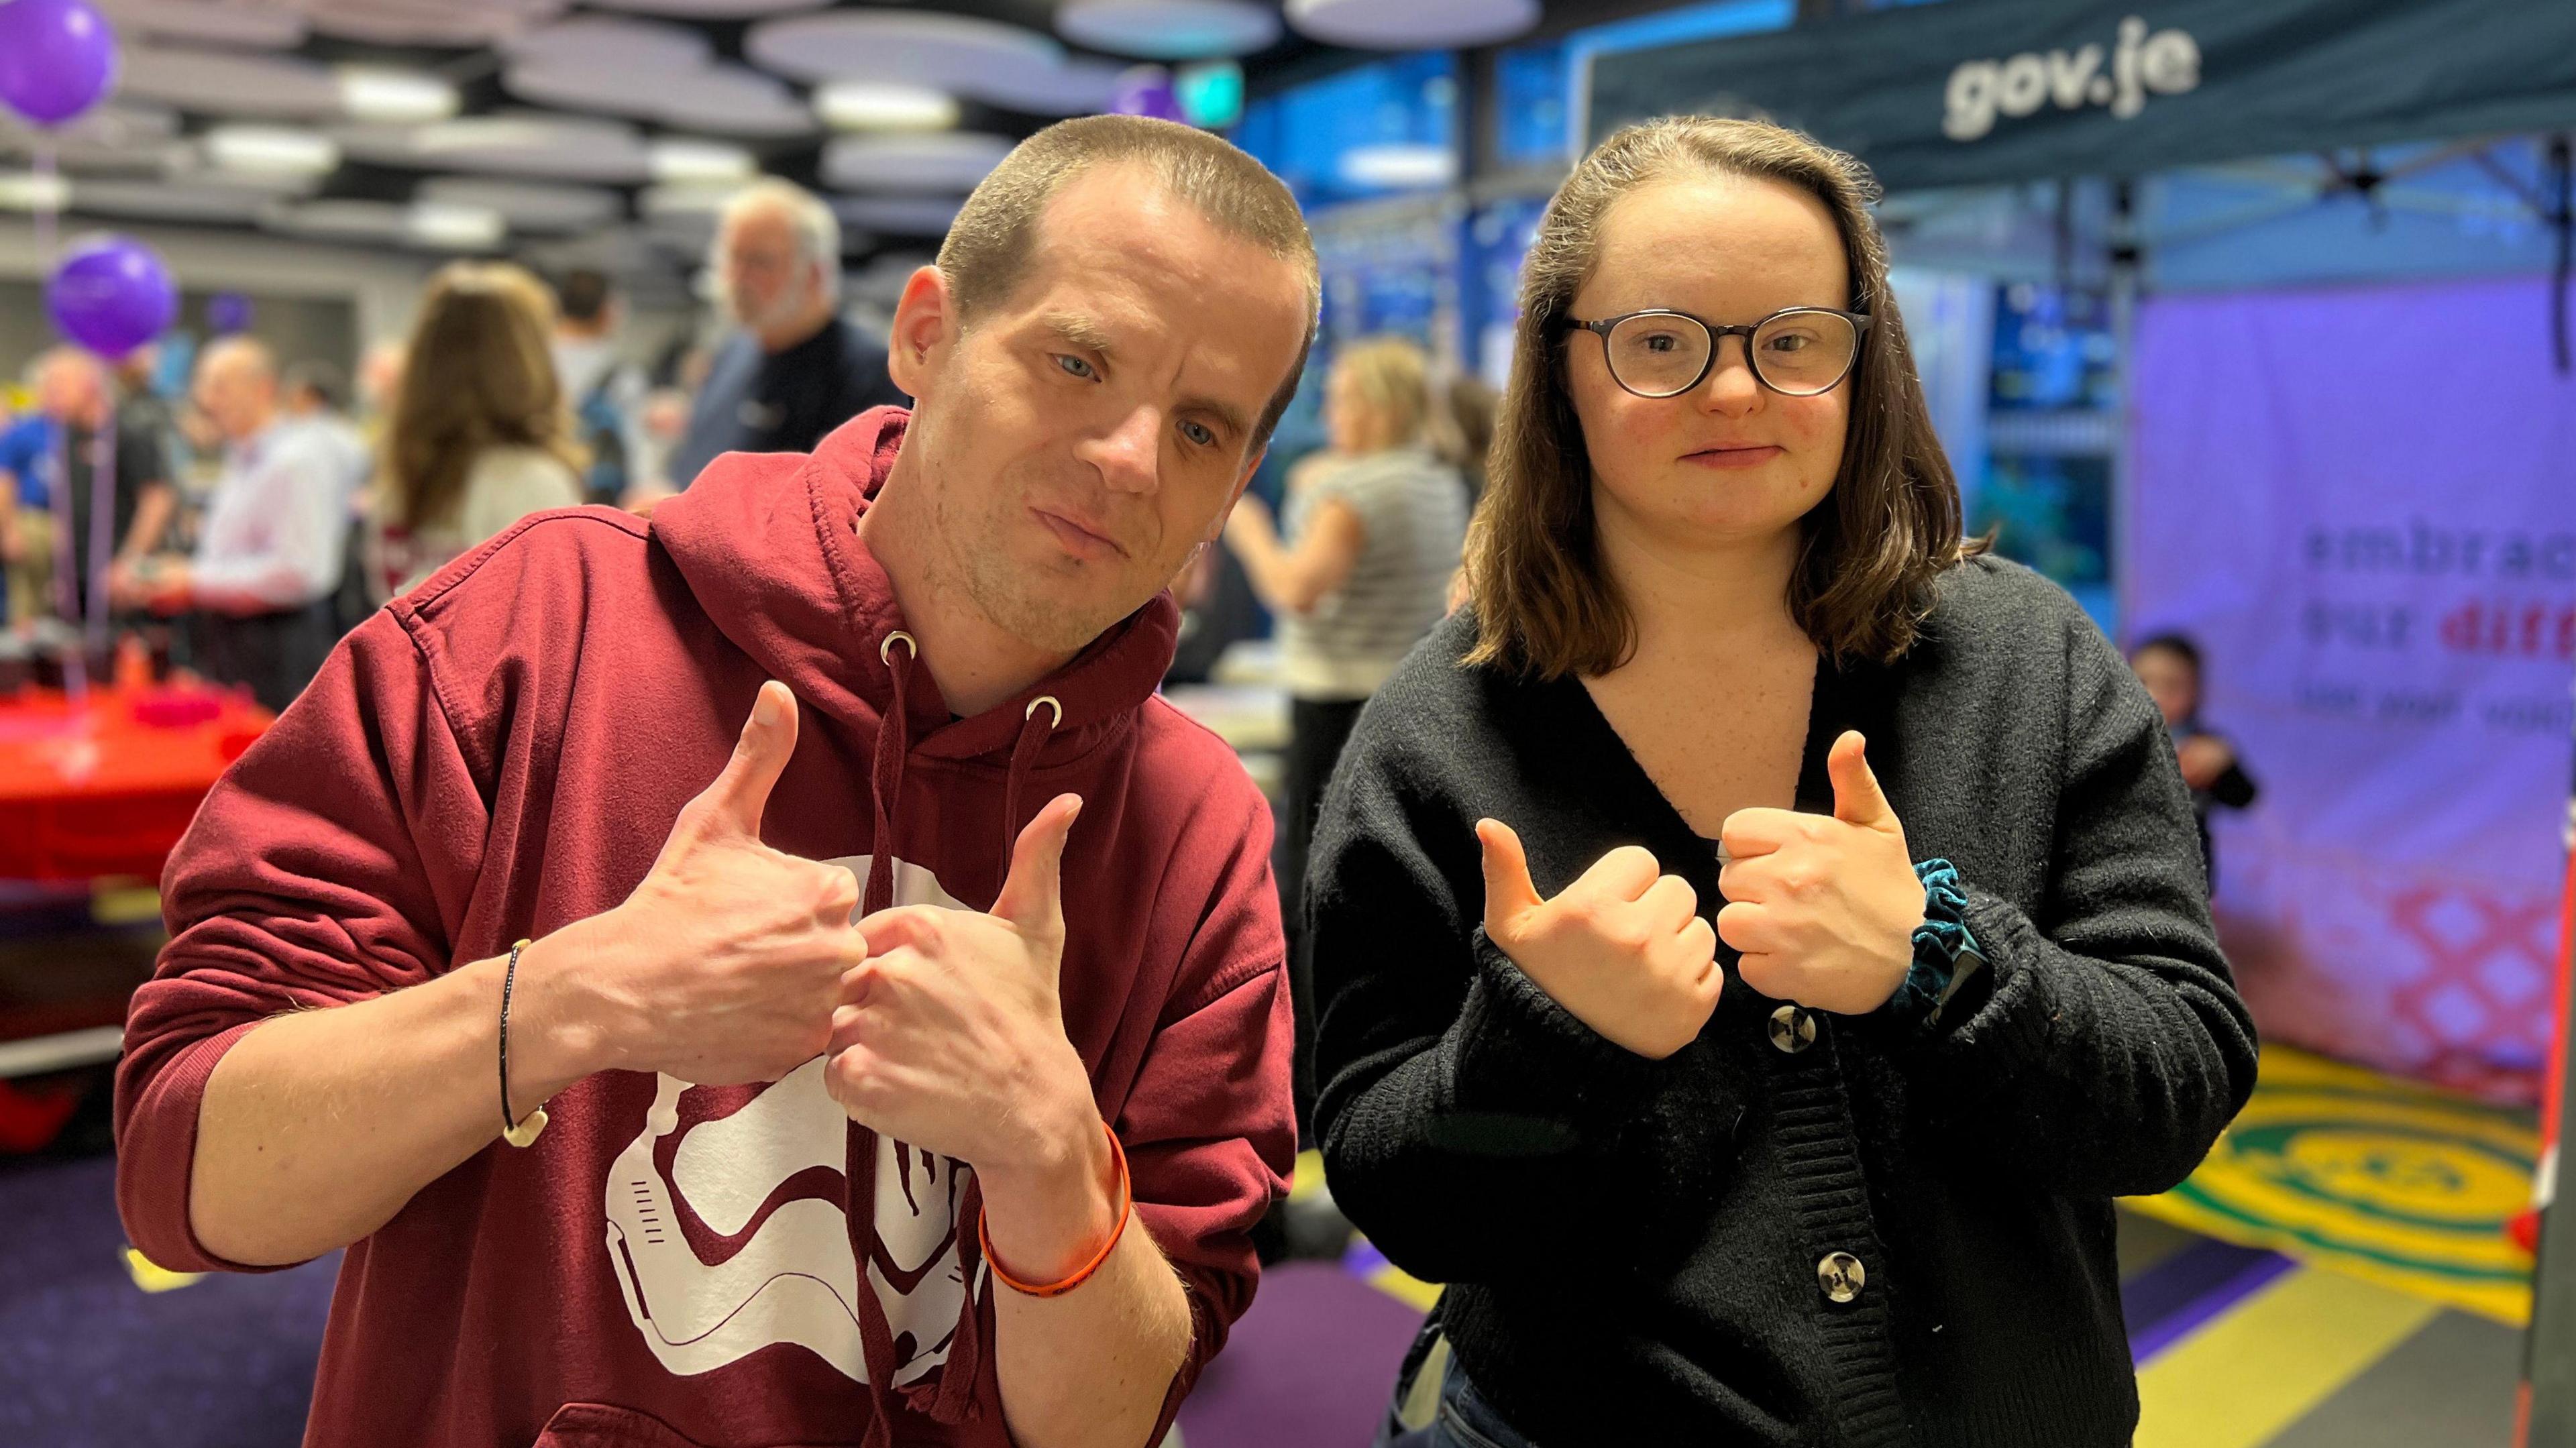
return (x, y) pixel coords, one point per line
(2359, 503)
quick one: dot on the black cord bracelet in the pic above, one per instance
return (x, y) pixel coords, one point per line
(517, 1133)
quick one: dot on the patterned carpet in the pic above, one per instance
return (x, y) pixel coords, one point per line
(2379, 1179)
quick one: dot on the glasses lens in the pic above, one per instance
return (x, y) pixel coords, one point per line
(1657, 356)
(1804, 353)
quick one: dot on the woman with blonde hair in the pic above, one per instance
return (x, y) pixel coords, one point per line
(1374, 525)
(480, 434)
(1761, 933)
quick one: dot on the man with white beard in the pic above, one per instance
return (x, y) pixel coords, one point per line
(797, 369)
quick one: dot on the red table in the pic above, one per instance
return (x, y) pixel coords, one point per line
(108, 786)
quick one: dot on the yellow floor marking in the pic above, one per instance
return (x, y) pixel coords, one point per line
(1396, 1283)
(2275, 1356)
(152, 1277)
(1309, 1178)
(125, 902)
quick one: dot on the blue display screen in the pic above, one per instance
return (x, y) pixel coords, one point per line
(1380, 129)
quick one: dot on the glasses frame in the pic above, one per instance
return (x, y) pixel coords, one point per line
(1717, 336)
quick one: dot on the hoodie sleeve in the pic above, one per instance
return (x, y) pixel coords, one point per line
(328, 865)
(1208, 1128)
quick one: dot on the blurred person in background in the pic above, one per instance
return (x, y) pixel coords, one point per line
(797, 369)
(380, 370)
(15, 405)
(273, 542)
(379, 380)
(480, 434)
(74, 400)
(8, 503)
(139, 401)
(1375, 524)
(26, 529)
(1461, 429)
(2169, 665)
(1462, 433)
(606, 391)
(313, 393)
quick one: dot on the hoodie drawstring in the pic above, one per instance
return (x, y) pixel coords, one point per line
(1024, 754)
(885, 773)
(894, 742)
(952, 1400)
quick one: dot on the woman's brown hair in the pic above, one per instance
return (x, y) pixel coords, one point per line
(479, 373)
(1862, 584)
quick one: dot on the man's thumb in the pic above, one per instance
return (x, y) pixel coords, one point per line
(735, 802)
(1857, 798)
(1508, 891)
(1032, 897)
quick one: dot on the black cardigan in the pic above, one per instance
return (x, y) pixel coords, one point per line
(1633, 1247)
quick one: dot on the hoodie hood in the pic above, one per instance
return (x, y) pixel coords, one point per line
(769, 544)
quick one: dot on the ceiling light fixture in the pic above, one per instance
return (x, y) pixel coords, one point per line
(271, 150)
(1413, 25)
(34, 191)
(682, 160)
(399, 97)
(868, 105)
(1169, 29)
(447, 224)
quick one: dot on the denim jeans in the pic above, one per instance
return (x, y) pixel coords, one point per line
(1465, 1421)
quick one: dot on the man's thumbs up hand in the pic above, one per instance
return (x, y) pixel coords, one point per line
(951, 1036)
(724, 964)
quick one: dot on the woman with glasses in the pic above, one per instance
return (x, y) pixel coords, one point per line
(1759, 935)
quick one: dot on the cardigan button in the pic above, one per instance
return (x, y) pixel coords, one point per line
(1793, 1029)
(1842, 1276)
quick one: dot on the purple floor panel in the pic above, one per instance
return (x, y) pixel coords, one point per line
(86, 1361)
(1310, 1366)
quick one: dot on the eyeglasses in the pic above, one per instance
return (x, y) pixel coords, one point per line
(1800, 352)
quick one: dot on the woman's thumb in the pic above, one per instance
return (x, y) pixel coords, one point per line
(1509, 893)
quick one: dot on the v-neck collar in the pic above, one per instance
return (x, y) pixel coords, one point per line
(1847, 695)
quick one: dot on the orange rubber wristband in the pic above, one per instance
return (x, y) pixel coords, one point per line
(1126, 1208)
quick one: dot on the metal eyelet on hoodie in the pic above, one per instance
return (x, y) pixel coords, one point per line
(885, 647)
(1024, 756)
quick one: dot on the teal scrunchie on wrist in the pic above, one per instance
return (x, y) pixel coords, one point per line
(1938, 943)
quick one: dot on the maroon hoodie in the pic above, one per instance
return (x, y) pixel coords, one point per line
(502, 752)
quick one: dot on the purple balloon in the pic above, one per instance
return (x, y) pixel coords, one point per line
(57, 58)
(111, 294)
(1146, 91)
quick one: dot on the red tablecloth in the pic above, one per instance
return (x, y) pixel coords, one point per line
(108, 787)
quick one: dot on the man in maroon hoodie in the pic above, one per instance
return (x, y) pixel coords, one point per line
(798, 1180)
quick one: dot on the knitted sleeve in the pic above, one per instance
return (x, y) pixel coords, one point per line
(2104, 1047)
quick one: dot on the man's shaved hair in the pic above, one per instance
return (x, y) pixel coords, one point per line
(989, 246)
